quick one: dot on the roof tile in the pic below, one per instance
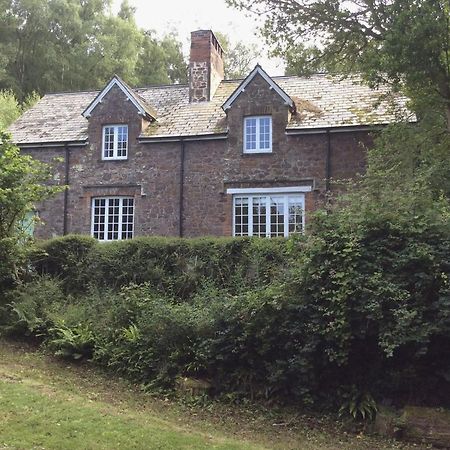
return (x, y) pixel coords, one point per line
(322, 101)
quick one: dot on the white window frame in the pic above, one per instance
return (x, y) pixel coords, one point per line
(115, 127)
(120, 221)
(258, 148)
(278, 193)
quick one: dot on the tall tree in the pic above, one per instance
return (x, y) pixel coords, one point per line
(54, 45)
(11, 108)
(403, 42)
(160, 61)
(238, 57)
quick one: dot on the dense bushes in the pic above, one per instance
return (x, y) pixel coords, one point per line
(355, 311)
(176, 267)
(377, 297)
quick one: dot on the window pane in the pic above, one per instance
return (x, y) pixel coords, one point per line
(264, 133)
(259, 216)
(127, 218)
(241, 216)
(258, 133)
(98, 218)
(276, 216)
(295, 215)
(122, 141)
(115, 141)
(108, 139)
(250, 133)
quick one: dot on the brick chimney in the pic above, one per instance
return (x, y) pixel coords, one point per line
(205, 66)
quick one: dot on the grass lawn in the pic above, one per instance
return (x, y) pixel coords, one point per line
(48, 404)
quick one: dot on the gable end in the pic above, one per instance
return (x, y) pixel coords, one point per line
(258, 70)
(143, 109)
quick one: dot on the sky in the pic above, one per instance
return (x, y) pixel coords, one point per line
(185, 16)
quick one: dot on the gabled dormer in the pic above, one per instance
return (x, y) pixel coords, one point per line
(142, 107)
(116, 117)
(258, 71)
(257, 113)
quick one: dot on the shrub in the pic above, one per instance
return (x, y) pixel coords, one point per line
(66, 258)
(27, 308)
(74, 342)
(357, 313)
(178, 267)
(377, 299)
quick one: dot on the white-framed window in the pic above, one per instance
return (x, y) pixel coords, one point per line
(268, 215)
(115, 142)
(258, 134)
(112, 218)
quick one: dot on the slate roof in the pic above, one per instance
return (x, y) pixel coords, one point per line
(322, 101)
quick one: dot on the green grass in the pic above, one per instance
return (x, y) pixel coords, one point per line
(37, 419)
(47, 404)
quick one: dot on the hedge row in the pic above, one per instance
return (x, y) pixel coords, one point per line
(355, 312)
(176, 267)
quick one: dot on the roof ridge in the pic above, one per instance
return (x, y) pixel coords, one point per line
(72, 92)
(153, 86)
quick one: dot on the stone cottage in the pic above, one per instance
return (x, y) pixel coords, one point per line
(216, 157)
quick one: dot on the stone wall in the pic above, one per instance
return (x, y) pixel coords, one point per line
(152, 172)
(51, 211)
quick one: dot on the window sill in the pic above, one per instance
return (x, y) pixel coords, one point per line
(113, 160)
(250, 154)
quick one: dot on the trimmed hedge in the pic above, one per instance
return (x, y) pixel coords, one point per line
(177, 267)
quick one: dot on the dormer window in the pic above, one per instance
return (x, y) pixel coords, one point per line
(258, 134)
(115, 142)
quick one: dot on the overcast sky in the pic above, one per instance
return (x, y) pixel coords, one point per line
(188, 15)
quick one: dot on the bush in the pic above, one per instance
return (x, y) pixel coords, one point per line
(27, 309)
(66, 258)
(178, 267)
(358, 313)
(377, 301)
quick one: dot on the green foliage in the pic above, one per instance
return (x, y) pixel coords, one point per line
(238, 57)
(66, 258)
(403, 42)
(22, 184)
(362, 305)
(11, 109)
(71, 342)
(27, 310)
(359, 405)
(175, 267)
(57, 45)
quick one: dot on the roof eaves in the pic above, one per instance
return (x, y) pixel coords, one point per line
(48, 144)
(185, 137)
(258, 70)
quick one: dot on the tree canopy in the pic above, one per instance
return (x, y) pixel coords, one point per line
(402, 42)
(11, 108)
(238, 56)
(57, 45)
